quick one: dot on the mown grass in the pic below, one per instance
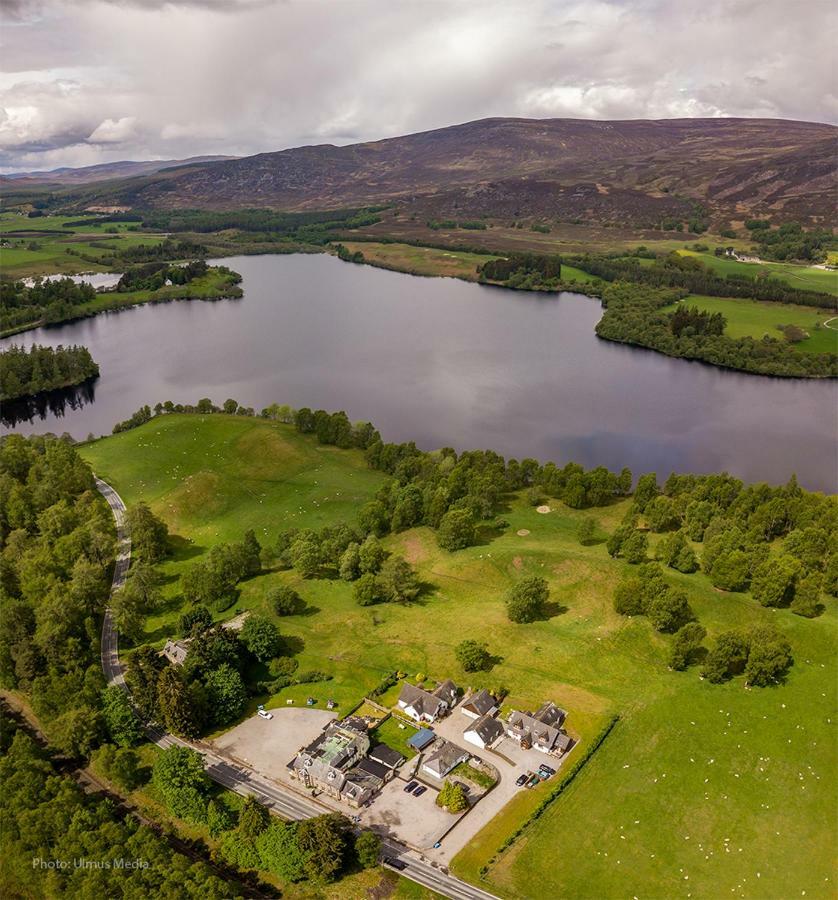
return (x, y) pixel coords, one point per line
(800, 276)
(641, 815)
(752, 318)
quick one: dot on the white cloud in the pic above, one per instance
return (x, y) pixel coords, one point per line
(114, 131)
(112, 79)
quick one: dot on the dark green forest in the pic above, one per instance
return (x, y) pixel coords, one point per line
(24, 373)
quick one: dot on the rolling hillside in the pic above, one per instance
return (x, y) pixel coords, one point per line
(626, 172)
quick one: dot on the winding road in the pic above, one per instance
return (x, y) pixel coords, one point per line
(242, 779)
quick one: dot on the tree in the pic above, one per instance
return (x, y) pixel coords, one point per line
(149, 534)
(219, 818)
(253, 819)
(349, 567)
(398, 581)
(456, 530)
(630, 597)
(226, 694)
(647, 489)
(125, 769)
(727, 658)
(305, 558)
(120, 721)
(180, 778)
(685, 644)
(585, 530)
(669, 611)
(285, 601)
(374, 519)
(635, 547)
(197, 618)
(773, 581)
(261, 637)
(141, 675)
(769, 658)
(367, 849)
(78, 731)
(661, 514)
(526, 600)
(675, 551)
(175, 704)
(279, 851)
(730, 571)
(807, 596)
(252, 553)
(473, 656)
(323, 842)
(128, 611)
(452, 797)
(367, 590)
(371, 555)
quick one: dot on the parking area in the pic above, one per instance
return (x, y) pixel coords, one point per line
(269, 745)
(417, 821)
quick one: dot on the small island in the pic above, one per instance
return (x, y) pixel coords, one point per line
(25, 373)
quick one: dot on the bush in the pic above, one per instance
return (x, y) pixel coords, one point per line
(456, 530)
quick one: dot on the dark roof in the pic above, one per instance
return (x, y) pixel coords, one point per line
(564, 742)
(420, 700)
(481, 702)
(447, 691)
(488, 728)
(421, 739)
(386, 755)
(371, 767)
(550, 714)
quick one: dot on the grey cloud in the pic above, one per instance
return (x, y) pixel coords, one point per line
(220, 76)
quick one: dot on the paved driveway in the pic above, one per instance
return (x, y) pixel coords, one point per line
(269, 745)
(417, 821)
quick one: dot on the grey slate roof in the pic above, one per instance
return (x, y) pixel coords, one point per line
(487, 728)
(480, 703)
(444, 758)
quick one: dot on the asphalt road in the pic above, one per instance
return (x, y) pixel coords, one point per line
(242, 779)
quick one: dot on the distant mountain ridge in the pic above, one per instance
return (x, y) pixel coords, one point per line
(629, 172)
(106, 171)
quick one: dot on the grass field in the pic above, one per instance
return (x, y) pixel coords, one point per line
(434, 261)
(53, 242)
(805, 277)
(693, 771)
(751, 318)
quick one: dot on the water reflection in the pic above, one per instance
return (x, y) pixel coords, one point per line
(48, 404)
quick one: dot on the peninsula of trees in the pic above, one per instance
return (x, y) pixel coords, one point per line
(24, 373)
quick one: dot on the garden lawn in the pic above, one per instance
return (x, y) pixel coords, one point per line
(754, 318)
(641, 816)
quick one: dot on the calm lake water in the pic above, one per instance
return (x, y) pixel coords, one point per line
(444, 362)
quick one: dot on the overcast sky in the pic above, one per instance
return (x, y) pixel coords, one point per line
(87, 81)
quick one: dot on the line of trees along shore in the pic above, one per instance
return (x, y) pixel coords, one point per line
(24, 373)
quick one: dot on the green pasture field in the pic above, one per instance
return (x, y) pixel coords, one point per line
(754, 318)
(692, 773)
(806, 278)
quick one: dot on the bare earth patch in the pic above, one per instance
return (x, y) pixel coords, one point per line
(543, 509)
(523, 532)
(517, 562)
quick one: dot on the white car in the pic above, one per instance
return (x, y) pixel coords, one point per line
(264, 714)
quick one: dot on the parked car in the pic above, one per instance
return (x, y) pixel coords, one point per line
(548, 770)
(465, 787)
(533, 781)
(394, 863)
(419, 791)
(521, 780)
(264, 714)
(410, 786)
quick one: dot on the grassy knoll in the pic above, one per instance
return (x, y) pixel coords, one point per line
(752, 318)
(804, 277)
(690, 770)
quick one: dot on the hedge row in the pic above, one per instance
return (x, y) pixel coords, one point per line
(560, 788)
